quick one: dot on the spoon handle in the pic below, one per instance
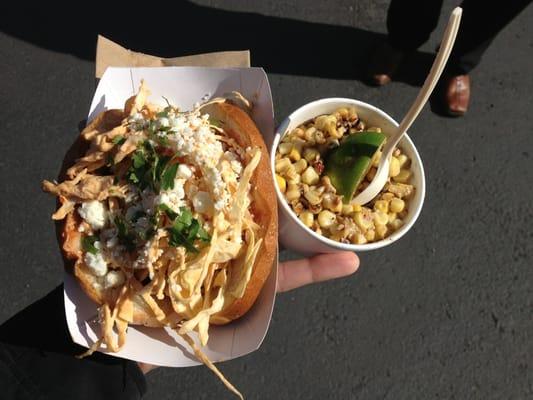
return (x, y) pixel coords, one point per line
(434, 74)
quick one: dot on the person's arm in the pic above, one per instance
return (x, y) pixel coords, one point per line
(37, 360)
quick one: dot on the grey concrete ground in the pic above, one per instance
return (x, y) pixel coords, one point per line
(446, 313)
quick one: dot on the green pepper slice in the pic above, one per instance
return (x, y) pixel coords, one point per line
(347, 164)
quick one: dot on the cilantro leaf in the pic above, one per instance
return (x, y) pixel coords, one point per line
(118, 139)
(203, 235)
(158, 168)
(125, 237)
(87, 244)
(186, 230)
(168, 175)
(167, 210)
(138, 159)
(193, 230)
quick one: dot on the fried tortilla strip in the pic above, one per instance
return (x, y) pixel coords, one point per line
(128, 147)
(90, 187)
(104, 122)
(135, 103)
(66, 207)
(92, 162)
(209, 364)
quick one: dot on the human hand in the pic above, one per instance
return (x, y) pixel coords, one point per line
(319, 268)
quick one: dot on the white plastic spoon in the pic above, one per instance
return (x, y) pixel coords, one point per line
(382, 173)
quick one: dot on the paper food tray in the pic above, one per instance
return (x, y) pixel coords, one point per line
(183, 86)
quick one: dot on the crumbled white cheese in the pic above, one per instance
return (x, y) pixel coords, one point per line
(163, 122)
(146, 258)
(203, 203)
(114, 279)
(184, 172)
(173, 197)
(96, 262)
(94, 213)
(192, 137)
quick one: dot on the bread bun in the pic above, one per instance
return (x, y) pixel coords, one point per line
(239, 126)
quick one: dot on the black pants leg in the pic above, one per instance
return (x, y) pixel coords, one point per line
(409, 23)
(482, 21)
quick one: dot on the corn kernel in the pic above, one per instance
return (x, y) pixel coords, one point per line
(292, 195)
(376, 158)
(404, 160)
(309, 134)
(381, 231)
(396, 224)
(319, 137)
(290, 172)
(307, 218)
(387, 196)
(298, 132)
(347, 209)
(403, 176)
(310, 154)
(283, 164)
(292, 186)
(352, 114)
(300, 165)
(282, 184)
(326, 219)
(313, 197)
(392, 216)
(294, 155)
(370, 235)
(310, 176)
(332, 202)
(381, 205)
(343, 112)
(285, 148)
(357, 207)
(394, 167)
(397, 205)
(359, 238)
(295, 179)
(381, 218)
(363, 221)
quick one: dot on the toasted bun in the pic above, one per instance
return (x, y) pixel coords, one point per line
(238, 125)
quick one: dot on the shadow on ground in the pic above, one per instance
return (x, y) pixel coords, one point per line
(280, 45)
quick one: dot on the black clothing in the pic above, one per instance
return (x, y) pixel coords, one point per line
(409, 24)
(37, 360)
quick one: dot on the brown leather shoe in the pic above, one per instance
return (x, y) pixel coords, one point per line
(457, 94)
(384, 63)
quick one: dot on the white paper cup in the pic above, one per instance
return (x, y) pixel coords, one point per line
(293, 234)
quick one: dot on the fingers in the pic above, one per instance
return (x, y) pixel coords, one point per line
(323, 267)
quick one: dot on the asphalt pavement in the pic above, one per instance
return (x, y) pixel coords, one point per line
(445, 313)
